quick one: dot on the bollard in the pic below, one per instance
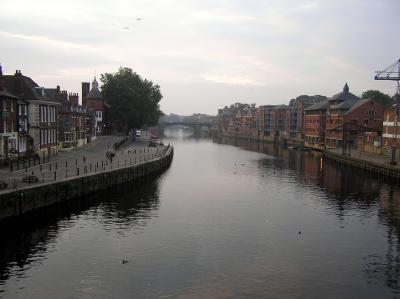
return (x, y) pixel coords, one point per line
(11, 166)
(77, 171)
(55, 175)
(26, 168)
(84, 159)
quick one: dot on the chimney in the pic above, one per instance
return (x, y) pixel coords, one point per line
(58, 89)
(18, 76)
(74, 99)
(1, 79)
(85, 91)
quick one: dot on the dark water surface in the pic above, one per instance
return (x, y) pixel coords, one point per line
(222, 222)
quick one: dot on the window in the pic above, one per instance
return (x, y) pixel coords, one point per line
(12, 106)
(4, 105)
(19, 109)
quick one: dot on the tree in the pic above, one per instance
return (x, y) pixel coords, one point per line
(130, 99)
(381, 97)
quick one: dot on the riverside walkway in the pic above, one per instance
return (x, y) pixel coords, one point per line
(89, 159)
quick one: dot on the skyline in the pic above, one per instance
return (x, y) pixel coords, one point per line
(205, 55)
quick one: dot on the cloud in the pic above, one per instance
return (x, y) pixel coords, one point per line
(232, 80)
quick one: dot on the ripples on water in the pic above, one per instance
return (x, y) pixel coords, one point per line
(223, 221)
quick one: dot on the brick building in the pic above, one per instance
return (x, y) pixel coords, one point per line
(8, 122)
(41, 135)
(390, 136)
(273, 119)
(94, 103)
(72, 118)
(314, 123)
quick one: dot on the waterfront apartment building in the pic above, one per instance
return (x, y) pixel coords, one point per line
(314, 123)
(391, 133)
(273, 119)
(344, 118)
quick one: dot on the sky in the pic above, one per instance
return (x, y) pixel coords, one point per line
(205, 54)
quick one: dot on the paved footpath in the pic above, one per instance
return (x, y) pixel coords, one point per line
(357, 154)
(85, 160)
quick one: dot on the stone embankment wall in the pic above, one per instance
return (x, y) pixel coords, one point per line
(26, 200)
(367, 166)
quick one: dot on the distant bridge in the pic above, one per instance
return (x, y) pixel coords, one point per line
(196, 126)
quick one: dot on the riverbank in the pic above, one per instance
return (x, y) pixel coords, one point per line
(366, 162)
(15, 203)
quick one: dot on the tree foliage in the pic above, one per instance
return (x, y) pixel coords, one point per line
(131, 99)
(381, 97)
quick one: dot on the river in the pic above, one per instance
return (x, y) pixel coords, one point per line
(228, 219)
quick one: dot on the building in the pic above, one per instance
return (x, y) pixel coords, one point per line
(314, 123)
(94, 103)
(273, 120)
(303, 102)
(391, 132)
(72, 118)
(349, 116)
(8, 122)
(40, 133)
(291, 120)
(344, 120)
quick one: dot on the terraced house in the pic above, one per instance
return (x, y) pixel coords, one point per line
(37, 116)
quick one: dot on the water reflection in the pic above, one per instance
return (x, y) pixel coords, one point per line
(123, 208)
(348, 190)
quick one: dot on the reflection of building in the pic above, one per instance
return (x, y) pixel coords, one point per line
(94, 102)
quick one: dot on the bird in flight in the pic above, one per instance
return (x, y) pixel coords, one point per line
(139, 19)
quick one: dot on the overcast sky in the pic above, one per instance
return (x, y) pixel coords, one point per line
(205, 54)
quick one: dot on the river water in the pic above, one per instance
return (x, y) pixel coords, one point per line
(228, 219)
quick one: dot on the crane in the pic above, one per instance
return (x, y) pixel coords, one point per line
(392, 73)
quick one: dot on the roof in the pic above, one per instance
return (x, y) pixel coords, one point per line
(345, 99)
(357, 104)
(6, 94)
(318, 106)
(24, 87)
(94, 92)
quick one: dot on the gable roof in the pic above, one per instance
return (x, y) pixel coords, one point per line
(318, 106)
(24, 87)
(356, 105)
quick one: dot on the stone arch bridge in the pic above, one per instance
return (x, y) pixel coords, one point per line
(196, 126)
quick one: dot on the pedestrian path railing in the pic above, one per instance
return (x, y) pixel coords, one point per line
(37, 172)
